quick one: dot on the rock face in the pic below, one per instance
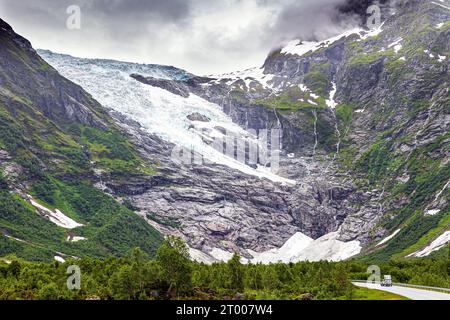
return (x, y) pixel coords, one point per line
(357, 113)
(198, 117)
(213, 207)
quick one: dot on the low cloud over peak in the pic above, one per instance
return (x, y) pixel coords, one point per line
(201, 36)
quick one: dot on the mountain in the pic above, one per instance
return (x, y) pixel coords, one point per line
(363, 159)
(54, 137)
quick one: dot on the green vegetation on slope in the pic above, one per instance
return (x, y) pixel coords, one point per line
(110, 228)
(171, 275)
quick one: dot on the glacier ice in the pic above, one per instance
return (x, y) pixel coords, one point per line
(160, 112)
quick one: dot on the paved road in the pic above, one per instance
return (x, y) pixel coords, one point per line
(411, 293)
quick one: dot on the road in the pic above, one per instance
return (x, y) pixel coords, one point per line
(411, 293)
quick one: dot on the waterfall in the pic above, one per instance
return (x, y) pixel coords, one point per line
(316, 136)
(280, 127)
(332, 104)
(338, 133)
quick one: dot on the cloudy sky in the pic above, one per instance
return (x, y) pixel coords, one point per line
(201, 36)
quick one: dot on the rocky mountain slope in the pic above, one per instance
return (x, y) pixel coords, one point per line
(372, 108)
(363, 160)
(53, 138)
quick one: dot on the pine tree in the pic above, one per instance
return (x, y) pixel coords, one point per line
(236, 273)
(173, 258)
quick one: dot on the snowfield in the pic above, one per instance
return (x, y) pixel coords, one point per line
(298, 248)
(293, 246)
(432, 212)
(328, 248)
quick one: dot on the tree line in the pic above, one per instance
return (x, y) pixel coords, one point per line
(172, 275)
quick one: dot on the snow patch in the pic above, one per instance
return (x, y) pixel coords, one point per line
(75, 239)
(373, 33)
(56, 216)
(396, 45)
(441, 5)
(298, 248)
(249, 76)
(328, 248)
(17, 239)
(302, 248)
(388, 238)
(59, 259)
(298, 47)
(221, 255)
(200, 256)
(432, 212)
(437, 244)
(397, 48)
(293, 246)
(303, 87)
(314, 96)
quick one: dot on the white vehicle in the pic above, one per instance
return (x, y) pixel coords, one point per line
(387, 281)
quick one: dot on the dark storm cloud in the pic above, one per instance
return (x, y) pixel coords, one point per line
(202, 36)
(319, 19)
(129, 14)
(129, 19)
(170, 10)
(310, 20)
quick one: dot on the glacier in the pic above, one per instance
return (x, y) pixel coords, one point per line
(160, 112)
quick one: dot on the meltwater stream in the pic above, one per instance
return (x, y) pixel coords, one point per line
(158, 111)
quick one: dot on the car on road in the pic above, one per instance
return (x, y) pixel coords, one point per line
(387, 281)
